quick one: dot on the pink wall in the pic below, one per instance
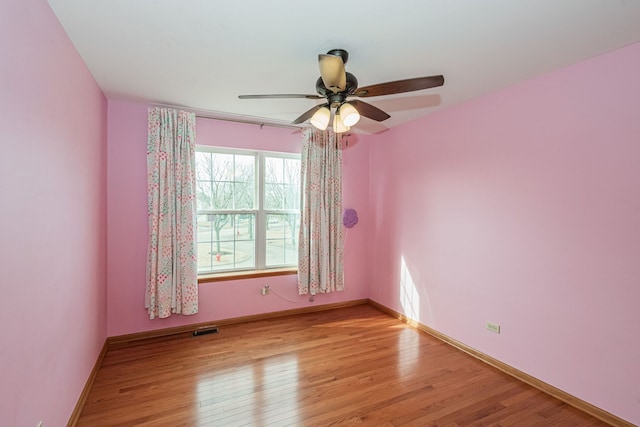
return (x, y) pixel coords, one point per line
(53, 218)
(127, 226)
(523, 208)
(520, 208)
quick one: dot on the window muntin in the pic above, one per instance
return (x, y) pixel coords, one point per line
(247, 209)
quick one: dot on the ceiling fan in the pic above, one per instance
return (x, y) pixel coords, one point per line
(336, 85)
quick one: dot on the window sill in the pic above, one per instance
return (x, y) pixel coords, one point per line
(249, 274)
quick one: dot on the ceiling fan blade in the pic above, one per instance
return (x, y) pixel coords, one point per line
(332, 72)
(280, 95)
(400, 86)
(369, 111)
(307, 114)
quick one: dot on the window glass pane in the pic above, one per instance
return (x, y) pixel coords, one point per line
(273, 196)
(203, 166)
(245, 254)
(232, 243)
(222, 167)
(291, 230)
(203, 195)
(221, 232)
(243, 195)
(273, 172)
(245, 227)
(275, 226)
(275, 254)
(292, 193)
(204, 242)
(291, 197)
(203, 227)
(282, 183)
(204, 257)
(222, 195)
(282, 239)
(244, 185)
(244, 168)
(244, 236)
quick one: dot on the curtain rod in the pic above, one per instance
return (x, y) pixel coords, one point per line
(204, 114)
(252, 122)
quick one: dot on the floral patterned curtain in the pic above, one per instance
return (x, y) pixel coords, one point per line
(320, 256)
(172, 278)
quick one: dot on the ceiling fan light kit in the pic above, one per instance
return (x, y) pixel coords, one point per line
(320, 118)
(336, 85)
(349, 114)
(338, 124)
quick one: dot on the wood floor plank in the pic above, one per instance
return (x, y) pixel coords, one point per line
(349, 366)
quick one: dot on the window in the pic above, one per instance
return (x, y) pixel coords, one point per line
(248, 207)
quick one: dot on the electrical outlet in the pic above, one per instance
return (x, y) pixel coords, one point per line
(265, 290)
(493, 327)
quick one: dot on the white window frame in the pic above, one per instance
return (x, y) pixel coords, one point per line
(259, 210)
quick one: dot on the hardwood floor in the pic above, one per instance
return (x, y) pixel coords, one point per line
(351, 366)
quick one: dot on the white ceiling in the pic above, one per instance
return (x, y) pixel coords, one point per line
(202, 54)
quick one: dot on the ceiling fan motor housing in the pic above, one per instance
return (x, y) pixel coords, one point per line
(333, 98)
